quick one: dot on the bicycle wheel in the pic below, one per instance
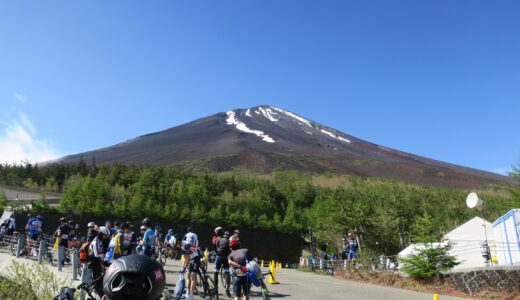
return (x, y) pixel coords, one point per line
(13, 247)
(201, 287)
(225, 283)
(265, 292)
(162, 257)
(212, 289)
(48, 257)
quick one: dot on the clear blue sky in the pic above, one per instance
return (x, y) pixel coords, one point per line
(436, 78)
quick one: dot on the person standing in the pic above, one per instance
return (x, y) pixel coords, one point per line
(192, 256)
(62, 234)
(148, 241)
(11, 224)
(235, 236)
(222, 250)
(97, 257)
(238, 259)
(352, 246)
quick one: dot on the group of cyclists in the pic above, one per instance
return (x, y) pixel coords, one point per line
(102, 246)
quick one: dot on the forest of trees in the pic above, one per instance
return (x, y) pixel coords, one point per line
(386, 214)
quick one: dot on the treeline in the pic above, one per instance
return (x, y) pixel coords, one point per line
(387, 215)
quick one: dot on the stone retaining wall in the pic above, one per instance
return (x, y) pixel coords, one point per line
(489, 279)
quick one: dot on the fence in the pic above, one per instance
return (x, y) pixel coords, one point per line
(388, 263)
(43, 251)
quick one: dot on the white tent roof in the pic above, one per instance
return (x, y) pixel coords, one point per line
(472, 230)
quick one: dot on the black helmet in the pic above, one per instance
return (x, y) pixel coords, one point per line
(219, 231)
(134, 277)
(146, 222)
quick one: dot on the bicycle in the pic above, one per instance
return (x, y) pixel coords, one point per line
(67, 293)
(159, 253)
(30, 251)
(205, 282)
(263, 286)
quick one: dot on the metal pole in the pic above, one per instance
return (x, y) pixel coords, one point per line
(75, 264)
(41, 251)
(19, 246)
(61, 254)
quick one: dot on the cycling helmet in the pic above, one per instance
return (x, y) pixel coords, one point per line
(134, 277)
(170, 231)
(38, 217)
(105, 231)
(146, 222)
(158, 228)
(63, 220)
(91, 224)
(219, 231)
(143, 228)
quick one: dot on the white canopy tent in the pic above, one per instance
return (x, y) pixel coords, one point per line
(466, 241)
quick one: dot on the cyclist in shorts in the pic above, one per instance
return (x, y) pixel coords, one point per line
(238, 259)
(192, 256)
(62, 234)
(222, 250)
(35, 228)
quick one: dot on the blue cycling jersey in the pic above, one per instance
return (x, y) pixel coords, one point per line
(149, 238)
(35, 226)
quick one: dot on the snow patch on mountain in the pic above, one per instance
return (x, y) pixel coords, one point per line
(332, 135)
(232, 120)
(290, 114)
(268, 114)
(248, 112)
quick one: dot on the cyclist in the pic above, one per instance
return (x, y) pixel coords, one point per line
(158, 235)
(235, 236)
(352, 246)
(170, 241)
(62, 234)
(168, 236)
(35, 228)
(192, 256)
(91, 232)
(121, 243)
(238, 259)
(97, 256)
(148, 241)
(221, 245)
(11, 224)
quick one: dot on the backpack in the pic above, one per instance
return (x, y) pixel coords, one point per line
(84, 256)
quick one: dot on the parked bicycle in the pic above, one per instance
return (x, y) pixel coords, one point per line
(31, 248)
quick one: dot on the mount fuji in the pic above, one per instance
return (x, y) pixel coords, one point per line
(266, 138)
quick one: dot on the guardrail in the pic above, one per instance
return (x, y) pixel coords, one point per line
(330, 266)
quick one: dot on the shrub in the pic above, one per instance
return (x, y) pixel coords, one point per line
(30, 282)
(429, 262)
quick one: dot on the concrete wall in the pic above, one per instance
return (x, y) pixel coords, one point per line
(488, 279)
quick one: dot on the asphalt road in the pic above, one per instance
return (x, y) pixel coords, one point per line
(293, 285)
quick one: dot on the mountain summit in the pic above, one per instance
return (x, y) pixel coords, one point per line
(264, 138)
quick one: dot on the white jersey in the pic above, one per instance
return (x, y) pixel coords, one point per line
(192, 238)
(172, 241)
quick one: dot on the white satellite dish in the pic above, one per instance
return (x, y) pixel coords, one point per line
(473, 201)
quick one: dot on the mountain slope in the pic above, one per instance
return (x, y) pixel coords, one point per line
(264, 138)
